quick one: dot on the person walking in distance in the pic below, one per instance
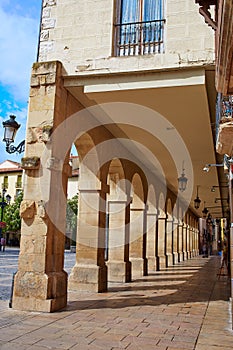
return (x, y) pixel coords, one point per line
(3, 243)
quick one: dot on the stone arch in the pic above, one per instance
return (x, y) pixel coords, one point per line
(90, 270)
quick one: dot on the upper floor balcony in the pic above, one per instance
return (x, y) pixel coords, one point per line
(139, 38)
(224, 124)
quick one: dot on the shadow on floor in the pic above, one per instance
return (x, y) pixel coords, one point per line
(202, 285)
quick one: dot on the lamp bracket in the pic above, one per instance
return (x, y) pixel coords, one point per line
(19, 149)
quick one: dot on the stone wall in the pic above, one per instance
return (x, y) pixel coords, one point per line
(80, 35)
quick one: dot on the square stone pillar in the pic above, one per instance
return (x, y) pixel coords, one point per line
(180, 241)
(138, 242)
(175, 241)
(169, 241)
(196, 241)
(185, 233)
(119, 266)
(152, 217)
(161, 242)
(191, 242)
(90, 270)
(40, 283)
(188, 252)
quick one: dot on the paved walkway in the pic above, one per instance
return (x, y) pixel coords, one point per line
(181, 307)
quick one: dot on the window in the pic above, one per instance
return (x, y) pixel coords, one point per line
(140, 27)
(5, 182)
(18, 184)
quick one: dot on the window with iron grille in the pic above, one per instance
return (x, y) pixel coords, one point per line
(140, 27)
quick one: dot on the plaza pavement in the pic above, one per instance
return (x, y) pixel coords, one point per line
(182, 307)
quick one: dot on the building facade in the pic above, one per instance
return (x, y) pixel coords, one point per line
(11, 177)
(218, 15)
(130, 84)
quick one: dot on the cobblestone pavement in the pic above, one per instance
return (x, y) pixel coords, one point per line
(181, 307)
(9, 264)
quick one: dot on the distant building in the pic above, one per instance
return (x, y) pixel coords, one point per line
(11, 177)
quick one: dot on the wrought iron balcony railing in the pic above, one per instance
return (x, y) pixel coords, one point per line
(139, 38)
(224, 110)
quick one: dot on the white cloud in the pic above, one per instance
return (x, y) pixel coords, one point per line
(18, 45)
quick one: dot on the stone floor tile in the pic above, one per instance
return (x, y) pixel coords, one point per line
(14, 346)
(154, 312)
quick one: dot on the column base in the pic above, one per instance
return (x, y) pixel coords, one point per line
(169, 259)
(192, 254)
(152, 263)
(180, 257)
(119, 271)
(196, 252)
(185, 256)
(161, 262)
(88, 278)
(40, 292)
(138, 267)
(39, 305)
(175, 258)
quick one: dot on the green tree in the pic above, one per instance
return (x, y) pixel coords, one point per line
(71, 217)
(11, 215)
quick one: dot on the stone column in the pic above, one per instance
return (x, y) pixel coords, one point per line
(138, 242)
(175, 241)
(180, 241)
(40, 283)
(169, 240)
(196, 240)
(192, 254)
(119, 266)
(185, 233)
(90, 270)
(188, 230)
(151, 239)
(161, 241)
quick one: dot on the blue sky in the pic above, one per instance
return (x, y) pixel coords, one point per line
(18, 49)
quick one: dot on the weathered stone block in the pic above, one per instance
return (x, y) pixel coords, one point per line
(44, 35)
(119, 271)
(49, 3)
(27, 209)
(41, 212)
(48, 23)
(88, 278)
(30, 163)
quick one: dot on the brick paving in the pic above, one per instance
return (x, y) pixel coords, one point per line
(182, 307)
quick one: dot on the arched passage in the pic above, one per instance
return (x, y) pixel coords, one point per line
(90, 271)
